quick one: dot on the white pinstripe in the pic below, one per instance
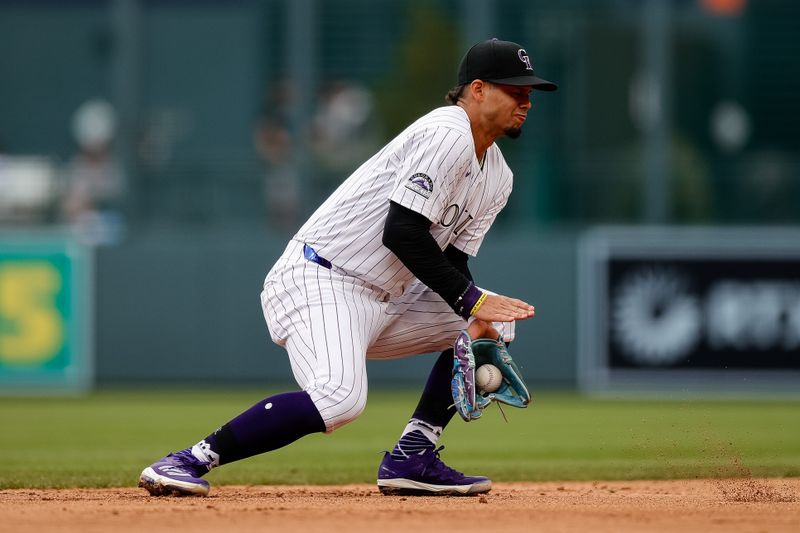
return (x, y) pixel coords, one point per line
(369, 305)
(348, 321)
(347, 228)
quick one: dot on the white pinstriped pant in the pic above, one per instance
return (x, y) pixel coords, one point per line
(331, 323)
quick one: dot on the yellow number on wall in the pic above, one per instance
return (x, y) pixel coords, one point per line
(31, 327)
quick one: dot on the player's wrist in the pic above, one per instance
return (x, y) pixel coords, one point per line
(470, 300)
(478, 304)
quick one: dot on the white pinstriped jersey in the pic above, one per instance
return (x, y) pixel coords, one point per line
(430, 168)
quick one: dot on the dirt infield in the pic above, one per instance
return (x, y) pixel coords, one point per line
(757, 505)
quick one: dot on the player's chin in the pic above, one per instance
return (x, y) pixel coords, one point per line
(513, 133)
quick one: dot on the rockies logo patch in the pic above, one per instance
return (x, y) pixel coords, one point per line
(421, 184)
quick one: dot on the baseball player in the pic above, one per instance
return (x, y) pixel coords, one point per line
(380, 271)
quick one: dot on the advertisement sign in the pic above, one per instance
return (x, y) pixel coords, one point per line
(692, 310)
(45, 320)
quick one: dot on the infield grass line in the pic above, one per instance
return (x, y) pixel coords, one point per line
(106, 438)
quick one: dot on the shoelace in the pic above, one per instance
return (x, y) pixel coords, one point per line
(440, 467)
(187, 460)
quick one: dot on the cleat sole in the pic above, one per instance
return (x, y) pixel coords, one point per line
(407, 487)
(158, 485)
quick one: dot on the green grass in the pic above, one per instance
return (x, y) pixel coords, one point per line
(105, 439)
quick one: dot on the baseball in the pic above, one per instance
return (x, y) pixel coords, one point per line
(488, 378)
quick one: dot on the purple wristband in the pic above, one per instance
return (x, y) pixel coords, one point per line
(467, 300)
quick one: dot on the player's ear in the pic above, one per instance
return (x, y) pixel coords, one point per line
(478, 89)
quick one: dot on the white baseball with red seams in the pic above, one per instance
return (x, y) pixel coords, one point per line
(488, 378)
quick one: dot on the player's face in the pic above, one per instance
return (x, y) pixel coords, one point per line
(514, 105)
(511, 104)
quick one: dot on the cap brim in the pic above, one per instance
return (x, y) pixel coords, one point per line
(537, 83)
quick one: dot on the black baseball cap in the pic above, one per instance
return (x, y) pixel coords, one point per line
(500, 62)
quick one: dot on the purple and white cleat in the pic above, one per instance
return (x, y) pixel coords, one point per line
(426, 475)
(177, 474)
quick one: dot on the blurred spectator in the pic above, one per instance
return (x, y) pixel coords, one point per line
(273, 143)
(767, 187)
(94, 179)
(27, 188)
(343, 131)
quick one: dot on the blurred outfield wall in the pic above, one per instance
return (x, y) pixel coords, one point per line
(186, 309)
(234, 119)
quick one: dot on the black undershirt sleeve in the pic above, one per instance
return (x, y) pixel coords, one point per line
(407, 234)
(459, 260)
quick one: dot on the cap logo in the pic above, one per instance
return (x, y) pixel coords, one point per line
(523, 56)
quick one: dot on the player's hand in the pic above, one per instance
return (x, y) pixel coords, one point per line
(499, 308)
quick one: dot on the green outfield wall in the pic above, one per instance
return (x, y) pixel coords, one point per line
(185, 308)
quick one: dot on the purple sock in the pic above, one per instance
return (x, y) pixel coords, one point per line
(436, 404)
(270, 424)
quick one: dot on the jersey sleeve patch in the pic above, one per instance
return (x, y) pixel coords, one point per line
(421, 184)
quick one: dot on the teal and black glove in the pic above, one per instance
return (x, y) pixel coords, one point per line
(468, 356)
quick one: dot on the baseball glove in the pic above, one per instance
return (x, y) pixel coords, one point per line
(468, 355)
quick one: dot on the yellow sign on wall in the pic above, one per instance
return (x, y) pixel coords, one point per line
(45, 300)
